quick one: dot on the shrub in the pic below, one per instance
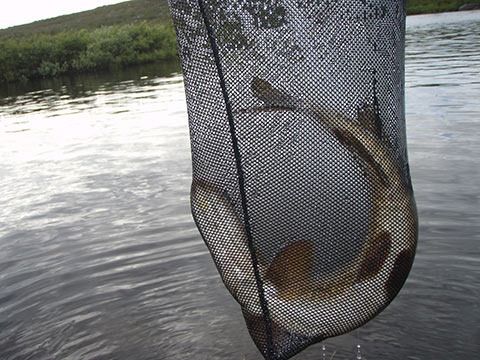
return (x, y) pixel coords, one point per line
(109, 47)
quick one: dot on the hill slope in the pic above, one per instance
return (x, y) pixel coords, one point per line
(158, 11)
(109, 37)
(434, 6)
(121, 13)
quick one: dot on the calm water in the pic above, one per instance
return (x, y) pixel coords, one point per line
(99, 256)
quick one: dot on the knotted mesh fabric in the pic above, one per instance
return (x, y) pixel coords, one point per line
(301, 188)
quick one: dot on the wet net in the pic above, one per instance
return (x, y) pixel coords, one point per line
(301, 188)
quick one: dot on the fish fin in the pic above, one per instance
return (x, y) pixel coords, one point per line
(363, 155)
(291, 270)
(271, 96)
(369, 119)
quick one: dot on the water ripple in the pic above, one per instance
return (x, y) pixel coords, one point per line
(99, 257)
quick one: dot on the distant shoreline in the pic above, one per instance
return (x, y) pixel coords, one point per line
(158, 11)
(109, 38)
(425, 7)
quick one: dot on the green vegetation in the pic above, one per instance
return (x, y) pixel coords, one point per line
(118, 14)
(109, 37)
(109, 47)
(158, 11)
(433, 6)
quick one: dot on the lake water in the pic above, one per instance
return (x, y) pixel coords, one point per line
(99, 256)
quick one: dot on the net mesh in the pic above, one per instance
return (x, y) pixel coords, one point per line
(301, 188)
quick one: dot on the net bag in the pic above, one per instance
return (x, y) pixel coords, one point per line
(301, 188)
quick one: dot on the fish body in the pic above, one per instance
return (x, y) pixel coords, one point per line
(297, 299)
(226, 238)
(389, 246)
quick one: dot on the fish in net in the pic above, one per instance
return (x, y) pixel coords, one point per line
(301, 188)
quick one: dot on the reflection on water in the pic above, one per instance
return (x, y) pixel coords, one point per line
(81, 86)
(99, 257)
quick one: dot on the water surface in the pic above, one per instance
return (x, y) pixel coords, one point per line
(99, 256)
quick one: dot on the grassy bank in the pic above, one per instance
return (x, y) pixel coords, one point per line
(110, 47)
(434, 6)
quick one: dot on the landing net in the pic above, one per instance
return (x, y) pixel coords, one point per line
(301, 188)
